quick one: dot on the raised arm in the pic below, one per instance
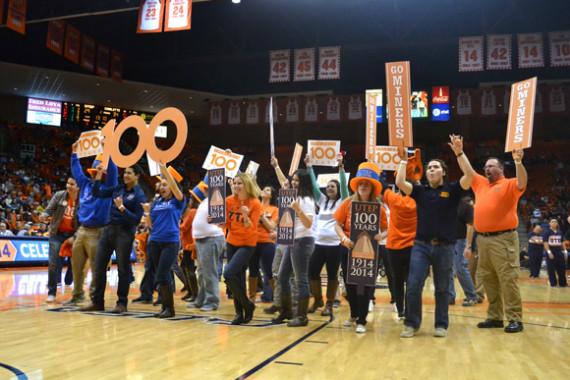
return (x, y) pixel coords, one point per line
(171, 182)
(342, 178)
(405, 186)
(456, 145)
(280, 176)
(76, 169)
(316, 189)
(522, 177)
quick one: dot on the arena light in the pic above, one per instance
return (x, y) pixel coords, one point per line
(236, 1)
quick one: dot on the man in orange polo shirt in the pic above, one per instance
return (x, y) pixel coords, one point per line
(495, 221)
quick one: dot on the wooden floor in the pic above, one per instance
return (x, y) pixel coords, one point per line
(41, 342)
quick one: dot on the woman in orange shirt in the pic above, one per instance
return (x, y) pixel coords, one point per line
(243, 211)
(188, 249)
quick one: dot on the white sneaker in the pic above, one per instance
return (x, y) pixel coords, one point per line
(50, 299)
(440, 332)
(408, 332)
(395, 308)
(360, 329)
(370, 306)
(349, 322)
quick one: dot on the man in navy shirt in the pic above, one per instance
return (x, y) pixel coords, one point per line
(436, 229)
(555, 264)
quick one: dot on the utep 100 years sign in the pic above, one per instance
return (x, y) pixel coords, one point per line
(217, 196)
(286, 226)
(363, 261)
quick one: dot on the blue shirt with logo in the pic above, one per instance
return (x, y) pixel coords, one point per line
(165, 216)
(132, 200)
(554, 240)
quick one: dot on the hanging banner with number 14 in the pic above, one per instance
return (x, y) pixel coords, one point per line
(363, 260)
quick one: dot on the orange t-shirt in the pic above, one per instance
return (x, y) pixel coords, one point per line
(403, 220)
(66, 224)
(238, 234)
(495, 204)
(186, 230)
(342, 216)
(272, 213)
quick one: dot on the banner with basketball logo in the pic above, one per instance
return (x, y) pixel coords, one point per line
(559, 48)
(333, 109)
(279, 66)
(234, 114)
(329, 62)
(116, 65)
(72, 39)
(355, 108)
(398, 97)
(216, 196)
(215, 114)
(16, 16)
(323, 152)
(363, 260)
(521, 115)
(556, 100)
(55, 36)
(531, 51)
(178, 15)
(151, 14)
(499, 52)
(463, 104)
(252, 113)
(488, 102)
(87, 53)
(311, 110)
(304, 65)
(471, 53)
(292, 110)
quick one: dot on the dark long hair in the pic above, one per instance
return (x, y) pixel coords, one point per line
(337, 184)
(305, 188)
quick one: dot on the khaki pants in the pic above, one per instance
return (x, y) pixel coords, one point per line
(473, 264)
(84, 248)
(499, 268)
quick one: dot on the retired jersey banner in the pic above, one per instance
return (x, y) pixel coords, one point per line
(116, 65)
(87, 53)
(355, 108)
(234, 114)
(386, 157)
(556, 100)
(559, 48)
(292, 111)
(72, 42)
(311, 110)
(102, 61)
(329, 62)
(296, 159)
(304, 65)
(363, 260)
(488, 102)
(218, 158)
(178, 15)
(531, 51)
(286, 226)
(55, 35)
(373, 99)
(499, 52)
(215, 114)
(150, 16)
(217, 196)
(463, 103)
(471, 53)
(16, 17)
(323, 152)
(521, 115)
(279, 66)
(252, 113)
(333, 109)
(399, 105)
(90, 143)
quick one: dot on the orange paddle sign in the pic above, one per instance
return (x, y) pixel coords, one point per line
(399, 105)
(521, 115)
(146, 141)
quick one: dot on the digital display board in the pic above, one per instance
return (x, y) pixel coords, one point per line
(420, 107)
(44, 112)
(95, 117)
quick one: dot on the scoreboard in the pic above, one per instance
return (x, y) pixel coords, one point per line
(95, 117)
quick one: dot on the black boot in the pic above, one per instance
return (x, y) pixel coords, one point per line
(286, 311)
(301, 318)
(167, 302)
(248, 312)
(238, 319)
(332, 287)
(317, 293)
(193, 283)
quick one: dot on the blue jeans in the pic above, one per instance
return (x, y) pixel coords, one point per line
(55, 262)
(461, 269)
(209, 251)
(296, 260)
(440, 257)
(163, 256)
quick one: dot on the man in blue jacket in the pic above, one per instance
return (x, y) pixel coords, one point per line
(93, 214)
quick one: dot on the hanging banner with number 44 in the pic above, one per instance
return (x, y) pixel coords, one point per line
(219, 158)
(363, 260)
(323, 152)
(329, 62)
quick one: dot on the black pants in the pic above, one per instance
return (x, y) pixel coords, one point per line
(399, 260)
(535, 260)
(382, 256)
(119, 239)
(556, 267)
(358, 302)
(325, 254)
(234, 273)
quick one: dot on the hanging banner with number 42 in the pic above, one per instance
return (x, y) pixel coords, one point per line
(323, 152)
(219, 158)
(279, 66)
(363, 260)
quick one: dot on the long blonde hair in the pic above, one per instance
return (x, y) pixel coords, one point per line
(251, 187)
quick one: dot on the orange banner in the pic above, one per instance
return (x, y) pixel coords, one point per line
(102, 61)
(72, 41)
(150, 16)
(16, 18)
(370, 138)
(87, 53)
(521, 115)
(178, 15)
(116, 65)
(54, 42)
(398, 103)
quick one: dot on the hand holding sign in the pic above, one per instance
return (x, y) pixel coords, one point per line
(518, 155)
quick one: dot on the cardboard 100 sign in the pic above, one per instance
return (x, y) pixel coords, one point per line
(363, 260)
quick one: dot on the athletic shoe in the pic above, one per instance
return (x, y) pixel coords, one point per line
(208, 308)
(50, 299)
(74, 301)
(360, 329)
(193, 305)
(408, 332)
(349, 322)
(119, 309)
(490, 324)
(469, 302)
(440, 332)
(370, 306)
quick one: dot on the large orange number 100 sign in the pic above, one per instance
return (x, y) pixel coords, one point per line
(146, 141)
